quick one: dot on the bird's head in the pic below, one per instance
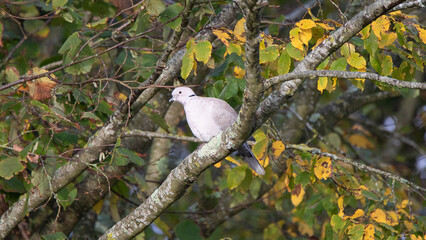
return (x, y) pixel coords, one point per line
(182, 94)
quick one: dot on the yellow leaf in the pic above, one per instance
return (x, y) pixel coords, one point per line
(361, 141)
(422, 33)
(379, 216)
(98, 207)
(340, 205)
(357, 61)
(121, 96)
(297, 195)
(387, 39)
(392, 218)
(278, 147)
(331, 85)
(294, 38)
(312, 15)
(414, 237)
(218, 164)
(325, 26)
(323, 168)
(322, 83)
(263, 162)
(40, 88)
(369, 232)
(305, 229)
(381, 25)
(232, 160)
(305, 36)
(223, 36)
(358, 213)
(239, 72)
(306, 24)
(239, 29)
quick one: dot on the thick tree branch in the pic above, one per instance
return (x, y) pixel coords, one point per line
(343, 74)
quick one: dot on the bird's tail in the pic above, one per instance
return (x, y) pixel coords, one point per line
(252, 161)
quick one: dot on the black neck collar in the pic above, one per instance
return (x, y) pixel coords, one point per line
(193, 95)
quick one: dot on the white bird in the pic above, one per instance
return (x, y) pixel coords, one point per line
(207, 117)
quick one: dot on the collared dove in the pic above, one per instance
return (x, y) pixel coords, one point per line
(207, 117)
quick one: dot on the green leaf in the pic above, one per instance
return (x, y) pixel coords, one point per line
(187, 64)
(255, 187)
(71, 44)
(91, 116)
(387, 65)
(1, 34)
(234, 48)
(268, 54)
(134, 158)
(11, 74)
(187, 229)
(370, 195)
(303, 178)
(10, 166)
(58, 3)
(155, 7)
(337, 222)
(375, 63)
(55, 236)
(141, 23)
(171, 12)
(83, 67)
(203, 51)
(230, 90)
(284, 63)
(26, 149)
(356, 232)
(41, 106)
(70, 49)
(371, 44)
(67, 195)
(236, 176)
(339, 64)
(294, 52)
(100, 24)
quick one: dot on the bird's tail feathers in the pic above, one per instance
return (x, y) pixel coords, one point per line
(251, 159)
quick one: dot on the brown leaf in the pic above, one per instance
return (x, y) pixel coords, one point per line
(41, 88)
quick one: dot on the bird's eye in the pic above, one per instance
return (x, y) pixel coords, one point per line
(180, 92)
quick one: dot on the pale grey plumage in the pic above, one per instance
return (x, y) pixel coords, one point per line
(207, 117)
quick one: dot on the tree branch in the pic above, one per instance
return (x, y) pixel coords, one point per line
(133, 133)
(343, 74)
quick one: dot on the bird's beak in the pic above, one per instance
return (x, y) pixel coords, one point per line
(172, 99)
